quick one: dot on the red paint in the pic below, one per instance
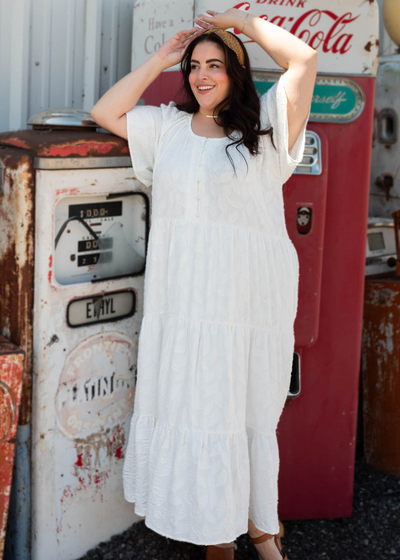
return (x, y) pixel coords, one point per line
(118, 452)
(79, 461)
(11, 370)
(317, 431)
(17, 142)
(68, 192)
(83, 149)
(49, 274)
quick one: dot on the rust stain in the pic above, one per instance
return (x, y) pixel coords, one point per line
(381, 382)
(11, 372)
(16, 261)
(368, 46)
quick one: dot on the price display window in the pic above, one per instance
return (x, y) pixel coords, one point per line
(100, 237)
(375, 241)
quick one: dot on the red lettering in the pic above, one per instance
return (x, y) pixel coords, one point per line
(342, 49)
(333, 41)
(304, 35)
(314, 19)
(238, 6)
(319, 36)
(246, 4)
(335, 30)
(278, 20)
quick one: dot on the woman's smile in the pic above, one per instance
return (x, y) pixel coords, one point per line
(205, 89)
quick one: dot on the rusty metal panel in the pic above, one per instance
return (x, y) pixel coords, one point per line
(381, 378)
(77, 143)
(11, 370)
(16, 260)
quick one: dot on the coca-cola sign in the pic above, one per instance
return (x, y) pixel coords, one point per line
(344, 33)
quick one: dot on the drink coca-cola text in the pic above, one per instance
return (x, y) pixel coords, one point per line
(320, 29)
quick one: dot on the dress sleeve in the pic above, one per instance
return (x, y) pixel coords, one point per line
(143, 124)
(273, 112)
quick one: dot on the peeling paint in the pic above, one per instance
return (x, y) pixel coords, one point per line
(16, 260)
(66, 143)
(97, 450)
(11, 373)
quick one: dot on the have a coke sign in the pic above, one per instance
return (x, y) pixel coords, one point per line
(344, 33)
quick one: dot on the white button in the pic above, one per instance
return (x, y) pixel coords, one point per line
(199, 164)
(198, 198)
(197, 215)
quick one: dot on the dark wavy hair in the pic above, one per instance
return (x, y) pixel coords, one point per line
(239, 111)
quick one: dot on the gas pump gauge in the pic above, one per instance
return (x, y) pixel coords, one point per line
(99, 237)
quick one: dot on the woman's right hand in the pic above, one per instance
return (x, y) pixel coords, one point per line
(172, 51)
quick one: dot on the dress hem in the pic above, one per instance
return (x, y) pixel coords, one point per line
(198, 543)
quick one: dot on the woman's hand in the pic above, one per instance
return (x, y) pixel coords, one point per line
(172, 51)
(223, 20)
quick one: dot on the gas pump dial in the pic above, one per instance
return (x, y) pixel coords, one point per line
(99, 238)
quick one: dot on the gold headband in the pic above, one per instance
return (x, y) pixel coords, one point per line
(229, 40)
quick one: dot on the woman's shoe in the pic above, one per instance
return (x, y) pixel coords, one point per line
(277, 538)
(220, 553)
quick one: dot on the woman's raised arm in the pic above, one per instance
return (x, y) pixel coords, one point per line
(291, 53)
(110, 111)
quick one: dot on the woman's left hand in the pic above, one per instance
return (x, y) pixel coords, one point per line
(223, 20)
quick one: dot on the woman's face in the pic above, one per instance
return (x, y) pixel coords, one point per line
(208, 78)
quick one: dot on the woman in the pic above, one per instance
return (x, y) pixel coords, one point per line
(216, 340)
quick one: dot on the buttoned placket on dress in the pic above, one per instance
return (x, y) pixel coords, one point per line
(198, 178)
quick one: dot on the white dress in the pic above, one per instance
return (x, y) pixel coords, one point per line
(216, 341)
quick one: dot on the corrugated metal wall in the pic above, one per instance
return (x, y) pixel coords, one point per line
(60, 53)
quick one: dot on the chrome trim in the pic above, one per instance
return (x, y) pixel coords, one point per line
(81, 163)
(63, 117)
(296, 394)
(311, 164)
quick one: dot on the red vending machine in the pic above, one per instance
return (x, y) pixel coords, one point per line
(326, 207)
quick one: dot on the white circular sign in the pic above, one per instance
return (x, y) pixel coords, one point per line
(97, 384)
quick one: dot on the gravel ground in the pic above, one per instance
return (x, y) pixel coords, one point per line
(371, 533)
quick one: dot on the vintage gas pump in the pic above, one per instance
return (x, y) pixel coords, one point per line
(326, 206)
(74, 229)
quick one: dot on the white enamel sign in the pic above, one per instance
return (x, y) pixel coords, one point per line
(343, 32)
